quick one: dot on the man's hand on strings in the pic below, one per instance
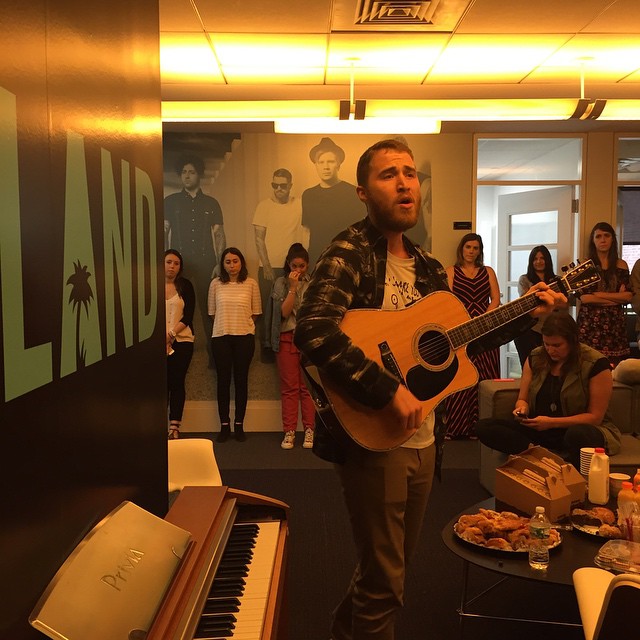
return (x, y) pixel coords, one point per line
(548, 299)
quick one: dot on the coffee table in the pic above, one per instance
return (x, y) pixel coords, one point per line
(577, 550)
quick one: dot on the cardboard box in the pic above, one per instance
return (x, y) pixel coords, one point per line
(525, 485)
(569, 475)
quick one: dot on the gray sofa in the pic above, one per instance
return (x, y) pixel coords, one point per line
(497, 398)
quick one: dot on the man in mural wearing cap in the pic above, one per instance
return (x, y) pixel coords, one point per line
(331, 204)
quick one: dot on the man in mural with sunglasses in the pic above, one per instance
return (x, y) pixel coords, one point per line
(276, 225)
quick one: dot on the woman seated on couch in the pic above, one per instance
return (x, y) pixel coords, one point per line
(563, 400)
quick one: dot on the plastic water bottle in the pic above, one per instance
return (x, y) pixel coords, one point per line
(599, 477)
(539, 526)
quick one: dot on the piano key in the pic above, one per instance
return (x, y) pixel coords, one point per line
(249, 617)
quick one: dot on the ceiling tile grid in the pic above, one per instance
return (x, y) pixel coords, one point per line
(514, 46)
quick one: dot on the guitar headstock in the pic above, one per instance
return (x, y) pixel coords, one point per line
(578, 277)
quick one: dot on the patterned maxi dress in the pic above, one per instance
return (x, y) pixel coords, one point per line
(604, 328)
(462, 408)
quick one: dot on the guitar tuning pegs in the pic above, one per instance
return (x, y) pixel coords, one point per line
(579, 261)
(572, 265)
(565, 269)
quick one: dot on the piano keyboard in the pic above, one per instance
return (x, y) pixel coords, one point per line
(236, 603)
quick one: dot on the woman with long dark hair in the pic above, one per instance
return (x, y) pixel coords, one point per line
(477, 288)
(563, 400)
(234, 305)
(286, 298)
(539, 269)
(601, 320)
(180, 302)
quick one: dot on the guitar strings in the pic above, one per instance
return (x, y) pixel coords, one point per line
(439, 346)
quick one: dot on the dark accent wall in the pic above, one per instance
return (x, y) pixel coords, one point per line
(82, 375)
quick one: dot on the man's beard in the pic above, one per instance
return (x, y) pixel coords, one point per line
(389, 220)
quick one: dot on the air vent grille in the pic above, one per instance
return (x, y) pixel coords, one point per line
(400, 12)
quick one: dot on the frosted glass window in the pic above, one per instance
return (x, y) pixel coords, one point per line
(629, 159)
(518, 266)
(518, 159)
(531, 229)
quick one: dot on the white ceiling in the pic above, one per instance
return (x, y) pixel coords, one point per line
(282, 50)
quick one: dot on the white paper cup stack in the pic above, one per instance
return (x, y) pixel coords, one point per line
(586, 453)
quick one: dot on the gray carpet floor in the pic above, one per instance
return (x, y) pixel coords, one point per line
(322, 556)
(262, 451)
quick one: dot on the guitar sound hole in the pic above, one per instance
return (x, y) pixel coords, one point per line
(434, 348)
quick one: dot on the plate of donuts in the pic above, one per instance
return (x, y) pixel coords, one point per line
(502, 531)
(597, 521)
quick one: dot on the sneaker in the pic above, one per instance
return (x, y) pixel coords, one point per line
(289, 439)
(308, 438)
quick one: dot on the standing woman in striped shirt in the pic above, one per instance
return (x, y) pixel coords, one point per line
(234, 305)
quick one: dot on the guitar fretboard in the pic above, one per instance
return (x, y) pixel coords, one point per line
(477, 327)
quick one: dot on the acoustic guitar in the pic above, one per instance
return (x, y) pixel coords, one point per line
(424, 347)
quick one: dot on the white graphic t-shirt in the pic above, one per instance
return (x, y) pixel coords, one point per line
(399, 292)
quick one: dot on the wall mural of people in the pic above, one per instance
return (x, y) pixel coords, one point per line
(274, 190)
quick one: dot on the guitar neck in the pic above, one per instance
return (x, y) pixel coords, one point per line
(481, 325)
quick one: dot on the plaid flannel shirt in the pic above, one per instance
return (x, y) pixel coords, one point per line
(350, 274)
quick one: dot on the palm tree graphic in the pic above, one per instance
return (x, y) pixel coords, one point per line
(80, 295)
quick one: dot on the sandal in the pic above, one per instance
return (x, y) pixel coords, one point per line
(174, 432)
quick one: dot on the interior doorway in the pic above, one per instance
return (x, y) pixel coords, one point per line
(541, 216)
(527, 194)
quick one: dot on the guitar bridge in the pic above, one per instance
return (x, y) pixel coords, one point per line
(389, 362)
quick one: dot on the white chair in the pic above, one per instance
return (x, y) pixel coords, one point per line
(608, 603)
(192, 462)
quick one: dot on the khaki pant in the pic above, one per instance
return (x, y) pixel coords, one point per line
(386, 495)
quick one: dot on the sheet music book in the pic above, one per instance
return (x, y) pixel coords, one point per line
(112, 584)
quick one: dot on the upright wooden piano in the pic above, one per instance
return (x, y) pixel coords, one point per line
(213, 569)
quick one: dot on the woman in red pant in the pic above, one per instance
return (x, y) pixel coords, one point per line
(286, 298)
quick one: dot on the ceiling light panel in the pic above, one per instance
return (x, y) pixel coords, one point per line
(506, 58)
(271, 58)
(187, 57)
(610, 59)
(382, 57)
